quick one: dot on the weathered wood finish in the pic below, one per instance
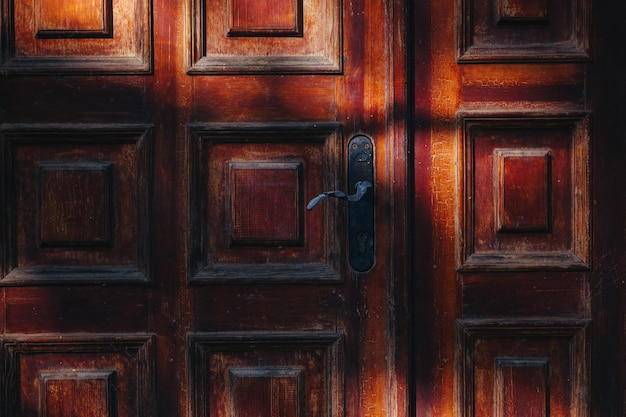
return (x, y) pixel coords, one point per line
(156, 257)
(517, 175)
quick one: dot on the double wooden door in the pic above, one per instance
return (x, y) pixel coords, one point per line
(159, 259)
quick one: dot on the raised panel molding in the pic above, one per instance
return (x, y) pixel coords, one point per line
(77, 211)
(240, 178)
(525, 191)
(88, 374)
(76, 36)
(523, 30)
(245, 36)
(263, 373)
(533, 368)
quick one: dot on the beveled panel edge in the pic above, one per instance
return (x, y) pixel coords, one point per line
(84, 66)
(579, 258)
(109, 274)
(578, 50)
(202, 273)
(469, 330)
(224, 65)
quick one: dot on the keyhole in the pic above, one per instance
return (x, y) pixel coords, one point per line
(362, 238)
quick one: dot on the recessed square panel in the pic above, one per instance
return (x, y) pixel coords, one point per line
(522, 384)
(523, 30)
(265, 17)
(523, 368)
(525, 192)
(265, 202)
(74, 19)
(75, 204)
(523, 199)
(270, 391)
(87, 375)
(77, 36)
(255, 180)
(77, 392)
(78, 210)
(248, 36)
(269, 374)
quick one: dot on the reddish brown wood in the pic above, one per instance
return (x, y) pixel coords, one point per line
(504, 177)
(170, 204)
(498, 208)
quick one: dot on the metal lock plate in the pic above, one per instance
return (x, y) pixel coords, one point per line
(361, 212)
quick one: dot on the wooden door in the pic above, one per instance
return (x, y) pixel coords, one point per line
(157, 159)
(518, 208)
(157, 257)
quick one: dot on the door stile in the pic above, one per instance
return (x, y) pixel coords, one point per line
(169, 91)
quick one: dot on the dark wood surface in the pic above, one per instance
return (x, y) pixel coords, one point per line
(157, 257)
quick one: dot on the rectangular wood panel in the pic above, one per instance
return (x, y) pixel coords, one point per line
(528, 367)
(75, 204)
(84, 393)
(523, 197)
(91, 375)
(76, 36)
(272, 391)
(78, 210)
(522, 30)
(263, 373)
(265, 203)
(240, 179)
(74, 19)
(521, 386)
(287, 36)
(525, 191)
(265, 17)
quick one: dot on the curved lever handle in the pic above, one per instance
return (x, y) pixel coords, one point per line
(361, 190)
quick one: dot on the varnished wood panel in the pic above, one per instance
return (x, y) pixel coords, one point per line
(75, 204)
(57, 229)
(48, 36)
(531, 368)
(523, 204)
(266, 391)
(86, 393)
(516, 30)
(281, 37)
(88, 375)
(545, 225)
(265, 203)
(74, 19)
(292, 374)
(522, 387)
(271, 202)
(265, 17)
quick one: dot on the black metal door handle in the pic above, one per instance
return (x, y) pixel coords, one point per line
(360, 204)
(361, 190)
